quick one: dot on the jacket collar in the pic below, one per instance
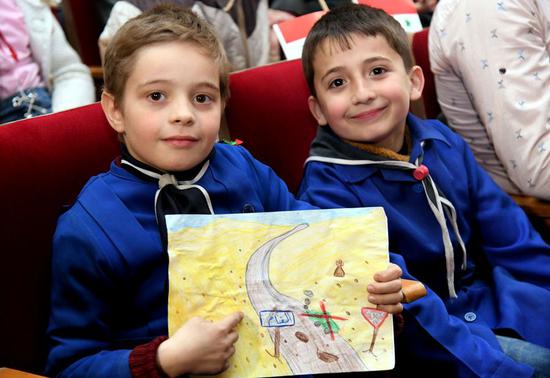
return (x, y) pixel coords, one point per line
(353, 162)
(148, 173)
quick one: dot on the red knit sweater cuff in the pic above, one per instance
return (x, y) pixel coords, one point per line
(143, 360)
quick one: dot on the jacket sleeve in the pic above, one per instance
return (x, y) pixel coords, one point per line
(79, 330)
(507, 236)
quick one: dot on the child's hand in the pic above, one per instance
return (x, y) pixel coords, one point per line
(200, 347)
(386, 291)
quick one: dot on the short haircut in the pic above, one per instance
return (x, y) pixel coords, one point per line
(163, 23)
(342, 23)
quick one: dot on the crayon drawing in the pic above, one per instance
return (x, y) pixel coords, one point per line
(300, 279)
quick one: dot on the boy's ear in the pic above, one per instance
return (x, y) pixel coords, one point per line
(112, 112)
(316, 111)
(416, 77)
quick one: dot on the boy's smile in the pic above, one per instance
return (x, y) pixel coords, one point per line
(364, 92)
(171, 110)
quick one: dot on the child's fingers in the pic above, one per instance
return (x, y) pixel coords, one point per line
(393, 272)
(232, 337)
(231, 321)
(386, 299)
(393, 309)
(230, 351)
(394, 286)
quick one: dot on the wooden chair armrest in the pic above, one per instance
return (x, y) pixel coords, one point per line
(533, 206)
(12, 373)
(97, 72)
(412, 290)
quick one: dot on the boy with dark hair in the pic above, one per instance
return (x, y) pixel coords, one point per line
(370, 151)
(165, 91)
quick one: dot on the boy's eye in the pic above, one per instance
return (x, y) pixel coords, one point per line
(378, 71)
(156, 96)
(202, 98)
(336, 83)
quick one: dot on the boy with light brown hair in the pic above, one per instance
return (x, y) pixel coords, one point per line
(165, 91)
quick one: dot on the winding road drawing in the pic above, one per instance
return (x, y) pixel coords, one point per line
(306, 348)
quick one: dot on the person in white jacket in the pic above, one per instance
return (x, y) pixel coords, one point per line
(491, 62)
(39, 71)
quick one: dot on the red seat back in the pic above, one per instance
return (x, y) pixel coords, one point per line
(85, 26)
(268, 110)
(45, 162)
(422, 58)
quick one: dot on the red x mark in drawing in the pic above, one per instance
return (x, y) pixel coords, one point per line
(325, 316)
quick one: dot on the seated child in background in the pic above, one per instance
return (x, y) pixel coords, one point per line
(457, 231)
(39, 71)
(165, 90)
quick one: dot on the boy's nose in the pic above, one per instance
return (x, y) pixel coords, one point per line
(181, 113)
(362, 93)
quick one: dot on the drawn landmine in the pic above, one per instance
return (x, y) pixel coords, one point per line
(320, 354)
(339, 271)
(307, 300)
(376, 319)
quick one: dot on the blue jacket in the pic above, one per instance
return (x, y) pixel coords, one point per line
(110, 272)
(506, 281)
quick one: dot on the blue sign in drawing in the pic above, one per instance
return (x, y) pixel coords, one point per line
(276, 318)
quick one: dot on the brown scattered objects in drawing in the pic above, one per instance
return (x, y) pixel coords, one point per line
(339, 271)
(327, 357)
(301, 336)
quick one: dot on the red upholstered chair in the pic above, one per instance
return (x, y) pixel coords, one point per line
(268, 110)
(45, 162)
(422, 58)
